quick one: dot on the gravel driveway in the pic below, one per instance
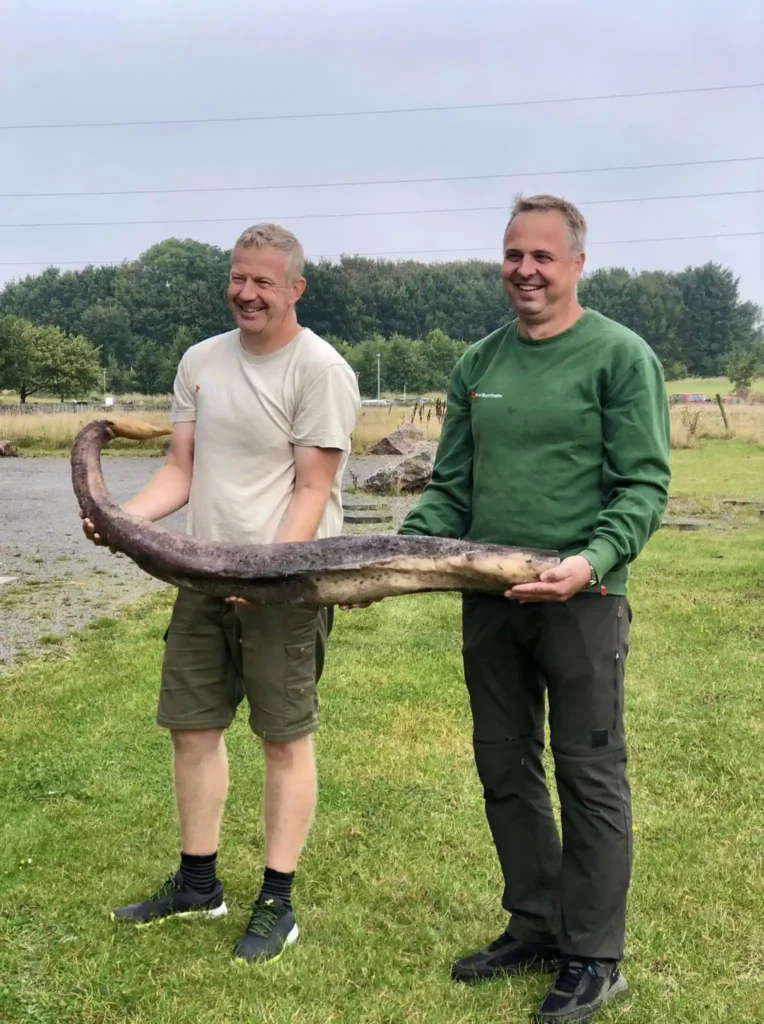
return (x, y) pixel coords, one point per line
(62, 581)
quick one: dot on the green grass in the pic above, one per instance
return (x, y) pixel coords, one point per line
(707, 385)
(719, 469)
(399, 874)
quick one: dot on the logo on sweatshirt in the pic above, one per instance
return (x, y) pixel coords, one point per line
(484, 394)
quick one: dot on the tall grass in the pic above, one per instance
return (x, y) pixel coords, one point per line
(692, 423)
(54, 433)
(374, 423)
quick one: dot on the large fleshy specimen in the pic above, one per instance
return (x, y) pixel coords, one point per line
(338, 570)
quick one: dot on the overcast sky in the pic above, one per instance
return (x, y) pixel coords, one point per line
(64, 61)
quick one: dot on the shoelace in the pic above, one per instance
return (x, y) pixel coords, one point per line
(167, 887)
(571, 974)
(264, 916)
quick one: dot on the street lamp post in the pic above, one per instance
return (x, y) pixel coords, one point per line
(379, 377)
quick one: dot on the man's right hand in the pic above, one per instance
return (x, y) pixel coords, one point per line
(88, 528)
(361, 604)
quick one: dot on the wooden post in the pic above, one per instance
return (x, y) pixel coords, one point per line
(722, 410)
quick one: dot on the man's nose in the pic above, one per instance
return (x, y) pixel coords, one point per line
(248, 291)
(526, 267)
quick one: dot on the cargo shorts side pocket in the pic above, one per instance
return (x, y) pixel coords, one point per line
(280, 674)
(300, 688)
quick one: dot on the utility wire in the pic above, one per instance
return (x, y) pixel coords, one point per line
(394, 110)
(388, 181)
(407, 252)
(371, 213)
(495, 248)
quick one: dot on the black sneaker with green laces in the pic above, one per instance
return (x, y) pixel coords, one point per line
(582, 988)
(272, 927)
(505, 955)
(173, 899)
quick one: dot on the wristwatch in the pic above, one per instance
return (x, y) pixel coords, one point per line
(593, 579)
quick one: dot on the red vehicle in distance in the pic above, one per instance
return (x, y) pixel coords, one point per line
(688, 397)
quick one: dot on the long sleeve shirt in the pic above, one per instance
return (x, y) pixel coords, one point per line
(561, 443)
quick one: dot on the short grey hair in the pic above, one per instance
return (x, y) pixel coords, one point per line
(273, 236)
(554, 204)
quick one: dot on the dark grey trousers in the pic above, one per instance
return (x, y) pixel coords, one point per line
(572, 894)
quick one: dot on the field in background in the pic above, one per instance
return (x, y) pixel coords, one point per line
(705, 385)
(708, 386)
(374, 423)
(11, 398)
(692, 423)
(54, 433)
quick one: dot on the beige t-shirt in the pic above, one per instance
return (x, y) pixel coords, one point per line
(250, 412)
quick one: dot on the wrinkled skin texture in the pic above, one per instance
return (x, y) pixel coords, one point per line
(339, 570)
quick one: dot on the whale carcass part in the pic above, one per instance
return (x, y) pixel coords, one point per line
(337, 570)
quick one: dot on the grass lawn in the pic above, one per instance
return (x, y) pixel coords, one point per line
(719, 469)
(707, 385)
(400, 874)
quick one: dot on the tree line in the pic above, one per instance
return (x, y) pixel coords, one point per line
(135, 320)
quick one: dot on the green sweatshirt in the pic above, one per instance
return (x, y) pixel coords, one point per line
(561, 443)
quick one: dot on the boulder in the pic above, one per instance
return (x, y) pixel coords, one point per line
(8, 450)
(402, 441)
(408, 474)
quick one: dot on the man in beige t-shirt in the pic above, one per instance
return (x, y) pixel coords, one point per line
(263, 416)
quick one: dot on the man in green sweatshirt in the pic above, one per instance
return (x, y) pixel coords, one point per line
(556, 436)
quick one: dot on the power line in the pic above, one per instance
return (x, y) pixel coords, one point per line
(368, 213)
(388, 181)
(394, 110)
(495, 248)
(410, 252)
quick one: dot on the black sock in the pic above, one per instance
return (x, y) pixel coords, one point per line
(199, 871)
(278, 884)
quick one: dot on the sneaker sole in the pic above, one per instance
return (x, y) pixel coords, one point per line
(265, 962)
(535, 967)
(188, 915)
(618, 991)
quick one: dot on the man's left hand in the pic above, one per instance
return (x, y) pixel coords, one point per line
(560, 584)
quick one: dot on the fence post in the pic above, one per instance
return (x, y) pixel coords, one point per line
(722, 410)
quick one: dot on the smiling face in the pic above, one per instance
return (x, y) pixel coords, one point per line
(260, 294)
(541, 268)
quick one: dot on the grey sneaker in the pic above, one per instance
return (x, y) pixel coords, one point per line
(272, 927)
(172, 899)
(582, 988)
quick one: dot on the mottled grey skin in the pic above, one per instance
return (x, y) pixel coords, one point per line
(333, 571)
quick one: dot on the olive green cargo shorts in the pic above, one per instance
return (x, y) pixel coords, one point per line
(217, 653)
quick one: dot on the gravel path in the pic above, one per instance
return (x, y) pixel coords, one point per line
(62, 581)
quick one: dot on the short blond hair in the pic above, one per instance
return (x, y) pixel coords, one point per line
(554, 204)
(273, 236)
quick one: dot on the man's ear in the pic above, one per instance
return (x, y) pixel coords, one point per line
(298, 289)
